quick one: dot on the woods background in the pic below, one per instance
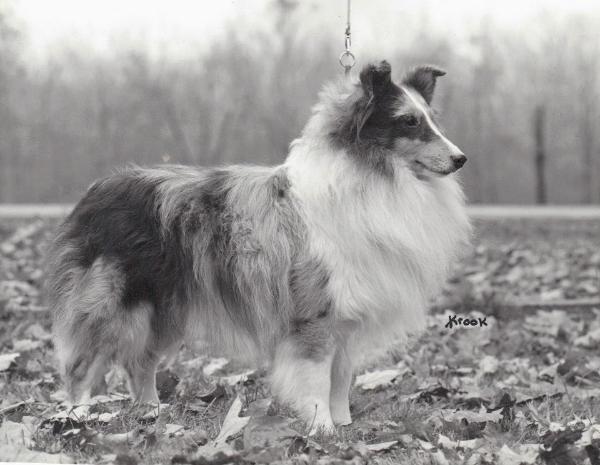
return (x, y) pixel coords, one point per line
(516, 96)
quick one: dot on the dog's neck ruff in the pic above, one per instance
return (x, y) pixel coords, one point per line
(388, 244)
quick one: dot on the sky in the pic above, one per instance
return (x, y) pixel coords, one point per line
(182, 26)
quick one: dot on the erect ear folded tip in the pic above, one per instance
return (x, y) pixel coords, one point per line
(422, 79)
(374, 75)
(434, 70)
(384, 67)
(438, 72)
(380, 68)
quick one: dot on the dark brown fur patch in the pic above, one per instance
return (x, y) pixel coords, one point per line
(313, 312)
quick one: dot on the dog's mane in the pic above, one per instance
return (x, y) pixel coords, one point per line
(335, 108)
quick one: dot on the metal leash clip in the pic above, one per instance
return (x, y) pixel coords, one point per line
(347, 58)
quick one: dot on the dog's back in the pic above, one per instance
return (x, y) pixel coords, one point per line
(148, 254)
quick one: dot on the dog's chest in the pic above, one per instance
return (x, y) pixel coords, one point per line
(387, 250)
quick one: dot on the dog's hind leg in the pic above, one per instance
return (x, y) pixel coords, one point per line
(86, 326)
(141, 348)
(141, 374)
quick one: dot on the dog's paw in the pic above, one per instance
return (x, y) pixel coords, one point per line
(343, 421)
(341, 414)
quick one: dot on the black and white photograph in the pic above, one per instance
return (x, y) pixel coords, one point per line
(300, 232)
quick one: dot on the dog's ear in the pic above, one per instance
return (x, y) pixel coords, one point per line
(422, 79)
(376, 78)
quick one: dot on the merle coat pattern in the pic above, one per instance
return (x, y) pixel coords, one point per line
(310, 266)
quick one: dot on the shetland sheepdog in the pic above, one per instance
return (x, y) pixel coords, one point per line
(310, 266)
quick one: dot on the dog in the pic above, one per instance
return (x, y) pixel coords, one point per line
(312, 266)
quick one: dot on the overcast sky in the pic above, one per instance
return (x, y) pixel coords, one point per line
(179, 26)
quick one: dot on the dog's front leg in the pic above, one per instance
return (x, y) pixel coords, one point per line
(341, 381)
(302, 378)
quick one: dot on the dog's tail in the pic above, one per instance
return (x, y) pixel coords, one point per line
(80, 299)
(91, 329)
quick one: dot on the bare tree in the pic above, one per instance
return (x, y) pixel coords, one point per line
(540, 154)
(10, 69)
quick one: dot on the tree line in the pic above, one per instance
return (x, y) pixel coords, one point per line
(525, 109)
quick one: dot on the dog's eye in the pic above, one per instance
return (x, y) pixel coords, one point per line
(410, 121)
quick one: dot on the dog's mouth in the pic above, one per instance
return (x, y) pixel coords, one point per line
(424, 167)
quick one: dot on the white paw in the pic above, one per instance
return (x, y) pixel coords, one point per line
(343, 420)
(341, 414)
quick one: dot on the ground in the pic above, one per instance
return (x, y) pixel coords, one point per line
(522, 385)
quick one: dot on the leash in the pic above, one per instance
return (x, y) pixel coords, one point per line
(347, 58)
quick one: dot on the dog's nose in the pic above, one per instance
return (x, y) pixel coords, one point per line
(459, 161)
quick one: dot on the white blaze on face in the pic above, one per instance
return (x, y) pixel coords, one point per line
(420, 106)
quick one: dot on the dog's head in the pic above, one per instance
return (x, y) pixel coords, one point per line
(382, 120)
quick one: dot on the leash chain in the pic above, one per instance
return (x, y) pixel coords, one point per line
(347, 58)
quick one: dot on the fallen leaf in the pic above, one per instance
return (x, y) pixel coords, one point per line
(116, 439)
(590, 340)
(377, 379)
(24, 345)
(214, 365)
(6, 360)
(447, 443)
(489, 365)
(382, 446)
(425, 445)
(173, 429)
(105, 399)
(267, 431)
(107, 417)
(525, 455)
(548, 373)
(75, 415)
(232, 424)
(232, 380)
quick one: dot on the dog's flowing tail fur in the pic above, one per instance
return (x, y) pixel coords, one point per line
(92, 331)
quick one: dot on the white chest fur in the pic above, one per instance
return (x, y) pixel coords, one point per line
(387, 244)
